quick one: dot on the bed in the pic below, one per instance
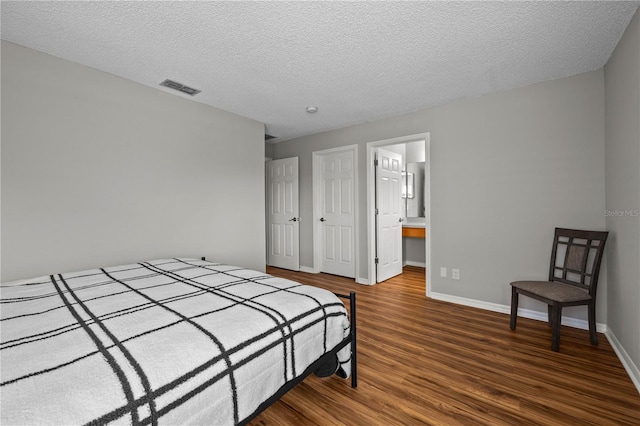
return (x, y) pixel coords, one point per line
(168, 341)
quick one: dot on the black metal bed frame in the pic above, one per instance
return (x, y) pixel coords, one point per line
(350, 339)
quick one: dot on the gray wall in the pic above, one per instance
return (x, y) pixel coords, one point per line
(413, 250)
(415, 152)
(506, 169)
(622, 154)
(268, 150)
(98, 170)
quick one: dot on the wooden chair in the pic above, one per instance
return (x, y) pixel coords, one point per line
(573, 279)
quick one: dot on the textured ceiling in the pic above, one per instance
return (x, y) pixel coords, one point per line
(355, 61)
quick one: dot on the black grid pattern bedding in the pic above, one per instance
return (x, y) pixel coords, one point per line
(171, 341)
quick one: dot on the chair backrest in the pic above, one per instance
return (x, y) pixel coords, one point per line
(576, 256)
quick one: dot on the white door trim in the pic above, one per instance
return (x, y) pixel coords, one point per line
(317, 193)
(371, 222)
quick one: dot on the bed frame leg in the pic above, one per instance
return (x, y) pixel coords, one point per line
(354, 352)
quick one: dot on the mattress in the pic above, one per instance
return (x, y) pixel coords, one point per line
(168, 341)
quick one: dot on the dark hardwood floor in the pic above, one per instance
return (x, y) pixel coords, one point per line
(423, 361)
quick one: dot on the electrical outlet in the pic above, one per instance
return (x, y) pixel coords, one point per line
(443, 272)
(455, 274)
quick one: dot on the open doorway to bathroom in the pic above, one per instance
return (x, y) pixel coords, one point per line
(414, 203)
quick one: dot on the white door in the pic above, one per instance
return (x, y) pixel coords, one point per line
(389, 214)
(283, 222)
(336, 213)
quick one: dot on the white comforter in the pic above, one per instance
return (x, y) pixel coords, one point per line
(172, 341)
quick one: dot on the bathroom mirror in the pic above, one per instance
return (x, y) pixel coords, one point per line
(407, 185)
(413, 189)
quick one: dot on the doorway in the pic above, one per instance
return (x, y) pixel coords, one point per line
(414, 204)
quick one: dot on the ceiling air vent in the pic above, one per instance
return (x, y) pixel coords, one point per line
(180, 87)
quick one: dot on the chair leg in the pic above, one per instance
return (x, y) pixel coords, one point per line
(592, 323)
(549, 316)
(556, 313)
(514, 308)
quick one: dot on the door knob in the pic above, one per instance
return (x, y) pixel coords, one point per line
(401, 220)
(322, 219)
(295, 219)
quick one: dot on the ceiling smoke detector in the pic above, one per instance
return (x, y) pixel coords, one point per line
(180, 87)
(312, 109)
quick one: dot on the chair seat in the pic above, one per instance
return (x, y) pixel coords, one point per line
(555, 291)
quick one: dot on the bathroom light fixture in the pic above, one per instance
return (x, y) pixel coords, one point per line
(312, 109)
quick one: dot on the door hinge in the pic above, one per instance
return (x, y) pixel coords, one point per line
(375, 163)
(376, 260)
(376, 211)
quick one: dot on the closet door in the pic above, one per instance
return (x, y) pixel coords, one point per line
(336, 175)
(283, 226)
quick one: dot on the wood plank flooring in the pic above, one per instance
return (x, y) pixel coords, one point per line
(425, 362)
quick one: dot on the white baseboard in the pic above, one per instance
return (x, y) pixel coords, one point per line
(308, 270)
(525, 313)
(412, 263)
(364, 281)
(625, 359)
